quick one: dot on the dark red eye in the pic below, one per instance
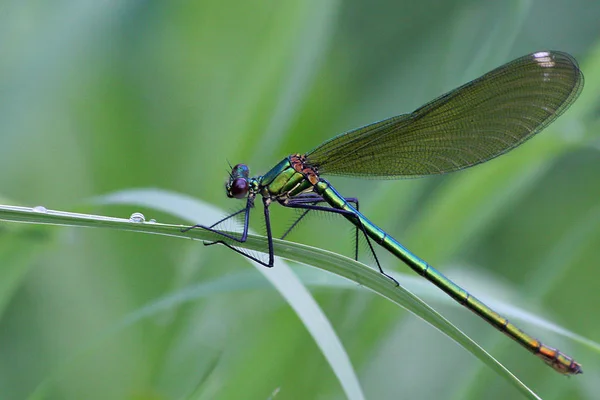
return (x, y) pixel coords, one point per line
(239, 188)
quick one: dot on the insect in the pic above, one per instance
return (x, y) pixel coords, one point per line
(467, 126)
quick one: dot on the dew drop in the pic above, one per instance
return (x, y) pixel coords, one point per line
(40, 209)
(137, 217)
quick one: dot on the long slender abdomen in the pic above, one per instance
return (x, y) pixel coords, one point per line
(554, 358)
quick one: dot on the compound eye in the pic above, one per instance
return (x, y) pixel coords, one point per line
(239, 188)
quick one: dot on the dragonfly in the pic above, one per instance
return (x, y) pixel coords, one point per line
(467, 126)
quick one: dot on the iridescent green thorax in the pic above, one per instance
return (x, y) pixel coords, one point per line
(286, 179)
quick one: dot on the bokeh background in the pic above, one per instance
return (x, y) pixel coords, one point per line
(99, 96)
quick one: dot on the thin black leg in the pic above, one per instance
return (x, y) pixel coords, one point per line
(242, 239)
(356, 236)
(314, 199)
(269, 234)
(258, 260)
(296, 222)
(305, 202)
(311, 207)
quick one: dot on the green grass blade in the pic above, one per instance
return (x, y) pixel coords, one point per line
(323, 259)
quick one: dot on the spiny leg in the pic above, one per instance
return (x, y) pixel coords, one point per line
(311, 207)
(296, 222)
(269, 234)
(244, 237)
(314, 199)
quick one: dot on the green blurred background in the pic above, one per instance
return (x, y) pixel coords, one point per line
(100, 96)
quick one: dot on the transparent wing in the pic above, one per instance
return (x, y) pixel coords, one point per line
(467, 126)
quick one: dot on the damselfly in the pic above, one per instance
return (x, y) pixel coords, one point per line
(467, 126)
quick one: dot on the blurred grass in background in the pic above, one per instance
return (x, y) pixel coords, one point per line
(103, 96)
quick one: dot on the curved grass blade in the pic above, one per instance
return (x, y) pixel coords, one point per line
(323, 259)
